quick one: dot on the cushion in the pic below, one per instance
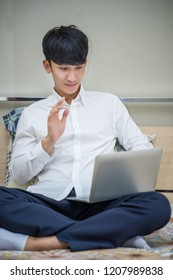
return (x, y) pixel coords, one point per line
(10, 121)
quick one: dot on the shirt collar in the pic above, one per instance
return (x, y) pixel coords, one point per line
(79, 100)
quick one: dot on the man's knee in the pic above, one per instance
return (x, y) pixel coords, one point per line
(161, 206)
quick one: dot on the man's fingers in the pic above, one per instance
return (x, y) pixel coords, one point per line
(57, 106)
(60, 102)
(65, 113)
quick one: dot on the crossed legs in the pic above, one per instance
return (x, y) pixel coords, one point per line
(53, 224)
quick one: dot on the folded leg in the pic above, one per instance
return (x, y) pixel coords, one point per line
(83, 226)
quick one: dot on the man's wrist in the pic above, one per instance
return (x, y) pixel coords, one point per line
(47, 145)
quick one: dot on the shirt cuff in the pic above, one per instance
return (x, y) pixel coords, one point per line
(39, 153)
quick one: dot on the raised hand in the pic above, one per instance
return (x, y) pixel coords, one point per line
(56, 126)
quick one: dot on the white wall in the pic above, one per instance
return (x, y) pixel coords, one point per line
(131, 45)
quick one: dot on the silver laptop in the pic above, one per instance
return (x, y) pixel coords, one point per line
(123, 173)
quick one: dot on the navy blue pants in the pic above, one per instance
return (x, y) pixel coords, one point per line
(83, 226)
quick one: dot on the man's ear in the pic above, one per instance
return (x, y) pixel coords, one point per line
(47, 66)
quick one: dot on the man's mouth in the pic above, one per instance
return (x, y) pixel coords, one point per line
(71, 85)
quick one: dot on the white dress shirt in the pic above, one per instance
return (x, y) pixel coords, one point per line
(95, 121)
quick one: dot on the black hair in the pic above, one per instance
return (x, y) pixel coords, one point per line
(65, 45)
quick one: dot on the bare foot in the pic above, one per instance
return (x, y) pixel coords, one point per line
(44, 243)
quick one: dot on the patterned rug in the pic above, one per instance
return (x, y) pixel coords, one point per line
(161, 242)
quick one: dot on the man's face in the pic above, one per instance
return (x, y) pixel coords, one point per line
(67, 78)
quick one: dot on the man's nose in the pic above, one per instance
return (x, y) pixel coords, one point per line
(71, 76)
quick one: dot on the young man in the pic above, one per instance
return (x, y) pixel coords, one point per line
(57, 141)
